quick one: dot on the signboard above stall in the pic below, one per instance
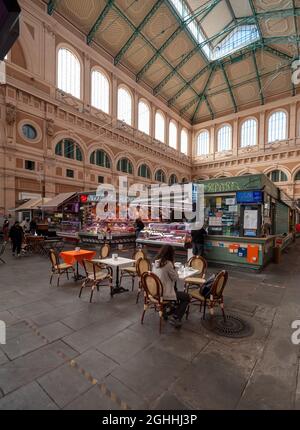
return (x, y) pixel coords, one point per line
(248, 197)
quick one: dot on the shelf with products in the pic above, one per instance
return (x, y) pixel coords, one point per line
(69, 229)
(175, 234)
(223, 215)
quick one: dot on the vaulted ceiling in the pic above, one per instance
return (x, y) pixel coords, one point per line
(153, 41)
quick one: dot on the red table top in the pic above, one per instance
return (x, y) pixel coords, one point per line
(71, 257)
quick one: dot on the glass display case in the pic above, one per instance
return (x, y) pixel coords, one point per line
(112, 231)
(175, 234)
(69, 229)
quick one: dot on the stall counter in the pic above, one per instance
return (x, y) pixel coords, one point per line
(251, 253)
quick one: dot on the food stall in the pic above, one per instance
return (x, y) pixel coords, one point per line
(245, 216)
(118, 232)
(33, 209)
(64, 216)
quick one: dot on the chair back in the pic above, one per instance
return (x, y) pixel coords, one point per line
(2, 249)
(142, 266)
(219, 284)
(199, 263)
(152, 287)
(53, 258)
(138, 253)
(91, 269)
(104, 251)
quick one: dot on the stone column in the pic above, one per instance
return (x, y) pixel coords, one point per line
(50, 57)
(235, 137)
(292, 132)
(86, 91)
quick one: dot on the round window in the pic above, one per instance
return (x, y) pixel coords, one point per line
(29, 131)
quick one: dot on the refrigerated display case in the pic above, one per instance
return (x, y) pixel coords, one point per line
(175, 234)
(115, 232)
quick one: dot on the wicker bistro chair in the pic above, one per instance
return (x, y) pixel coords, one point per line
(131, 271)
(142, 266)
(153, 296)
(215, 297)
(198, 263)
(104, 251)
(95, 276)
(58, 268)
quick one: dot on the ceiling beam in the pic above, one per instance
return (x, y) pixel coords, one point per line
(99, 21)
(137, 32)
(296, 27)
(212, 114)
(278, 53)
(231, 10)
(282, 39)
(256, 20)
(119, 11)
(235, 58)
(51, 6)
(179, 29)
(195, 50)
(262, 100)
(229, 88)
(199, 98)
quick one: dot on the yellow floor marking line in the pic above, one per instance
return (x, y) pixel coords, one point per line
(72, 363)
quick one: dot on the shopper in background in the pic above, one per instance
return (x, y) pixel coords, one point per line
(33, 227)
(198, 239)
(25, 225)
(5, 230)
(16, 235)
(139, 226)
(164, 268)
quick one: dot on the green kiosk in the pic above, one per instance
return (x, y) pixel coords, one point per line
(246, 216)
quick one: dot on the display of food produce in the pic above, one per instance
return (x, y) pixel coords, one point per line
(175, 234)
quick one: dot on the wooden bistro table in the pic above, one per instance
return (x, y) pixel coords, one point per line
(72, 257)
(116, 263)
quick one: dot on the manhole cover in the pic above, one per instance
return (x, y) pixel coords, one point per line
(233, 327)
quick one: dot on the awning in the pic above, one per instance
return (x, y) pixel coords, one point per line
(58, 201)
(32, 204)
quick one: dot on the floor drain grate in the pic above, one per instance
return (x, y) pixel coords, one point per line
(233, 327)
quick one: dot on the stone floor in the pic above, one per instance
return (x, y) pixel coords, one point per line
(64, 353)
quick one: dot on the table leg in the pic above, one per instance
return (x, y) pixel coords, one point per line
(77, 276)
(118, 289)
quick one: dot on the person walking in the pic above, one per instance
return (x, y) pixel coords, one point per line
(5, 230)
(16, 235)
(33, 227)
(139, 226)
(198, 239)
(164, 268)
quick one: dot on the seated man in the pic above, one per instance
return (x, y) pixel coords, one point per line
(165, 270)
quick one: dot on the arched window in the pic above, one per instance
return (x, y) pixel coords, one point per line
(297, 177)
(160, 176)
(69, 149)
(249, 133)
(100, 158)
(173, 135)
(125, 166)
(100, 91)
(224, 138)
(68, 72)
(124, 106)
(159, 127)
(143, 117)
(144, 171)
(173, 180)
(184, 141)
(277, 176)
(185, 181)
(277, 126)
(203, 143)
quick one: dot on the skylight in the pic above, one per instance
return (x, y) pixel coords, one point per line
(240, 37)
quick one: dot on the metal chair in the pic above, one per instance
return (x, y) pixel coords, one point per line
(95, 275)
(198, 263)
(130, 271)
(153, 296)
(2, 250)
(58, 268)
(215, 297)
(142, 266)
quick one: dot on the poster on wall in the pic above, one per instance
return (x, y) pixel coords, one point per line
(250, 219)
